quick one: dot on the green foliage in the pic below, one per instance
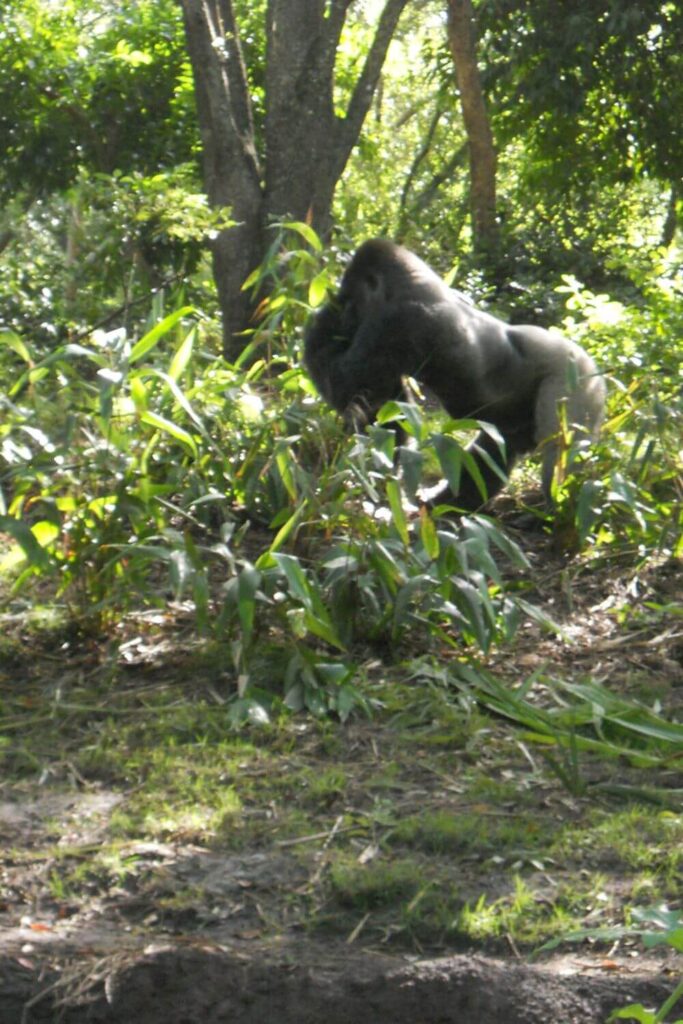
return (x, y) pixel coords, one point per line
(655, 926)
(632, 495)
(130, 467)
(92, 254)
(123, 457)
(581, 719)
(93, 86)
(605, 87)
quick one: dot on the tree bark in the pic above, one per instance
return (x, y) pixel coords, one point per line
(232, 175)
(305, 143)
(482, 151)
(671, 220)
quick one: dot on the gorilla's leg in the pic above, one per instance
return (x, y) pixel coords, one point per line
(581, 409)
(493, 464)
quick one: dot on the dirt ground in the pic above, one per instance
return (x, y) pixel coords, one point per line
(211, 985)
(116, 961)
(124, 953)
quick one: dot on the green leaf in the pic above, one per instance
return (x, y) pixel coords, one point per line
(168, 427)
(251, 279)
(323, 628)
(284, 460)
(450, 455)
(429, 534)
(396, 506)
(285, 530)
(14, 342)
(316, 617)
(31, 540)
(306, 233)
(183, 355)
(181, 570)
(412, 462)
(634, 1011)
(296, 578)
(154, 336)
(138, 392)
(673, 938)
(317, 289)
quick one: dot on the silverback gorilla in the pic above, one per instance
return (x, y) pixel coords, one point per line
(394, 317)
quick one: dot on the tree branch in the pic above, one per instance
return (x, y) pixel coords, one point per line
(222, 92)
(419, 157)
(425, 197)
(361, 99)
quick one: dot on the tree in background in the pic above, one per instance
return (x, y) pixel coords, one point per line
(96, 86)
(482, 150)
(593, 92)
(100, 153)
(287, 163)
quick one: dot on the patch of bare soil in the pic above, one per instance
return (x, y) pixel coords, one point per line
(117, 959)
(212, 985)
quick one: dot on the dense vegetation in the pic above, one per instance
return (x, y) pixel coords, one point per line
(140, 470)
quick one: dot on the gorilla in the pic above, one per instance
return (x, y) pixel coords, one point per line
(393, 317)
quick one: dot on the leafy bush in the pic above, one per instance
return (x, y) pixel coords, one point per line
(123, 457)
(92, 255)
(633, 498)
(134, 469)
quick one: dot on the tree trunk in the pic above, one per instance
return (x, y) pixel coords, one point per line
(671, 220)
(232, 175)
(461, 38)
(306, 144)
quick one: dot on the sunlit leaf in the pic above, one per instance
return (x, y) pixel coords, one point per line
(428, 534)
(183, 355)
(396, 506)
(306, 233)
(160, 330)
(317, 289)
(16, 344)
(168, 427)
(31, 541)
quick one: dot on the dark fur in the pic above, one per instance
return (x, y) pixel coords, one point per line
(394, 317)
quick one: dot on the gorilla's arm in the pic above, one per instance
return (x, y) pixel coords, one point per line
(365, 368)
(324, 342)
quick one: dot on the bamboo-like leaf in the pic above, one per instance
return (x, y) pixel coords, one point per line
(154, 336)
(283, 460)
(296, 578)
(287, 527)
(183, 355)
(306, 232)
(429, 535)
(316, 618)
(168, 427)
(317, 289)
(16, 344)
(412, 462)
(31, 541)
(450, 455)
(396, 506)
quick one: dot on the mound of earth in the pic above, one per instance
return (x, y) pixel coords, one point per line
(171, 985)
